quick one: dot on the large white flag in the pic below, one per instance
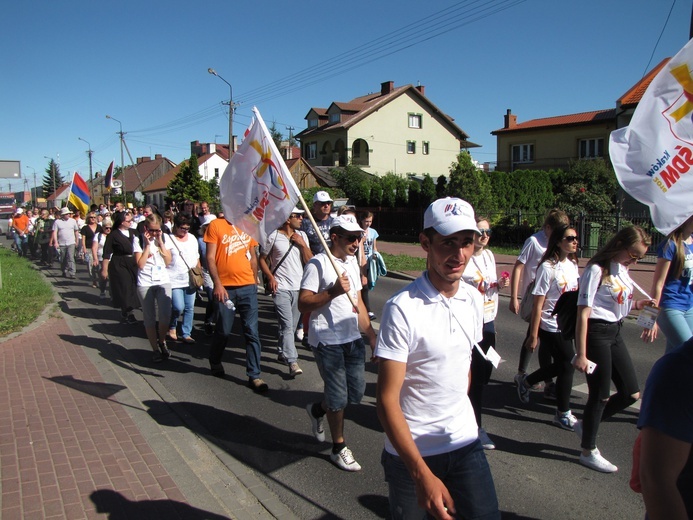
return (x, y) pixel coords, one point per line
(257, 190)
(653, 156)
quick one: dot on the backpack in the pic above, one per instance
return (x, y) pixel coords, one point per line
(565, 311)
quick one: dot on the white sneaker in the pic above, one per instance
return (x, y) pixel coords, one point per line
(566, 421)
(596, 462)
(316, 423)
(294, 369)
(345, 460)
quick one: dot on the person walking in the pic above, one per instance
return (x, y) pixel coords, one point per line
(88, 232)
(557, 274)
(20, 224)
(65, 238)
(604, 300)
(480, 273)
(186, 254)
(119, 266)
(433, 461)
(335, 334)
(370, 237)
(672, 287)
(153, 255)
(97, 253)
(282, 266)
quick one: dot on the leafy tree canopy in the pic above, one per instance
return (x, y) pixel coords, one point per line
(188, 183)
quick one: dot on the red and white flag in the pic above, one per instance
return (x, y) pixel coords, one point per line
(653, 155)
(257, 190)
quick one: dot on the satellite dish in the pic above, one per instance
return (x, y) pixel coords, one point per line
(117, 183)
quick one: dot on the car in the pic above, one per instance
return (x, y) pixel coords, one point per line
(5, 224)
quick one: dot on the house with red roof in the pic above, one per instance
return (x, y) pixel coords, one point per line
(552, 142)
(397, 129)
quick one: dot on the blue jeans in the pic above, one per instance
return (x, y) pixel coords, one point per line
(676, 325)
(286, 307)
(465, 473)
(245, 300)
(183, 302)
(342, 368)
(22, 243)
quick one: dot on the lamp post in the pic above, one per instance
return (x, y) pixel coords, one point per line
(89, 153)
(52, 175)
(33, 193)
(231, 109)
(122, 162)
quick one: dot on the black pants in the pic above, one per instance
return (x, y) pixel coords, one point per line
(561, 351)
(481, 370)
(606, 348)
(526, 356)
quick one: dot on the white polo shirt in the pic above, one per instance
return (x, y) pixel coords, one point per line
(423, 329)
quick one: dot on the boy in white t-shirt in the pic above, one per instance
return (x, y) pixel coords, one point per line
(432, 456)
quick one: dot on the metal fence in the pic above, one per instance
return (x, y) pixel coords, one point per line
(512, 228)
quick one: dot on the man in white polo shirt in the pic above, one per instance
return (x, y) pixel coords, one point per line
(433, 459)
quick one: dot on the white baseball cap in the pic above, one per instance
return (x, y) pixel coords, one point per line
(450, 215)
(19, 211)
(322, 196)
(347, 223)
(297, 210)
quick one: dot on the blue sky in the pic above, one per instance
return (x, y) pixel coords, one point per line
(65, 65)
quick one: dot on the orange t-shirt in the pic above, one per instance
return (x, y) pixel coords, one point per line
(234, 250)
(21, 223)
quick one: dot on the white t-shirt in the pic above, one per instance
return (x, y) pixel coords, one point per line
(611, 301)
(336, 322)
(423, 329)
(532, 251)
(290, 271)
(101, 241)
(552, 281)
(480, 273)
(177, 269)
(154, 271)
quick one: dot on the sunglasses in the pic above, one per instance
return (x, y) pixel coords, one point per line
(296, 215)
(351, 238)
(571, 238)
(325, 203)
(106, 228)
(486, 232)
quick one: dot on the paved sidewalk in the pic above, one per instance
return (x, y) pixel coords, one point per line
(78, 436)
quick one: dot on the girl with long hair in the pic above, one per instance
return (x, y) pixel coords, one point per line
(605, 299)
(557, 273)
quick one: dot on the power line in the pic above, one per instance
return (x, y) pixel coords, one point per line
(647, 67)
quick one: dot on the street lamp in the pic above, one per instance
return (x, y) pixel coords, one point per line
(52, 175)
(89, 153)
(231, 109)
(122, 162)
(33, 193)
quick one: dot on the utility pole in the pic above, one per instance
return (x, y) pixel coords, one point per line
(232, 108)
(33, 193)
(122, 163)
(89, 153)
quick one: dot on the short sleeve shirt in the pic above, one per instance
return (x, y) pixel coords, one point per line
(433, 335)
(677, 293)
(66, 231)
(313, 239)
(553, 280)
(532, 251)
(480, 272)
(234, 251)
(154, 271)
(290, 271)
(610, 300)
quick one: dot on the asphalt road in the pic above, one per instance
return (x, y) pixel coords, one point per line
(535, 466)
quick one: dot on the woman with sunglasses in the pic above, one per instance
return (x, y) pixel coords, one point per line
(671, 287)
(97, 252)
(480, 272)
(186, 254)
(557, 273)
(605, 299)
(153, 254)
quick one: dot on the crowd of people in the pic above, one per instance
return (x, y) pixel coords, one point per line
(430, 379)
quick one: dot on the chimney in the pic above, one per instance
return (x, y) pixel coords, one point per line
(140, 160)
(157, 156)
(386, 87)
(509, 120)
(421, 89)
(212, 147)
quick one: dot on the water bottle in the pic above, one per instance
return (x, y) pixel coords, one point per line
(229, 305)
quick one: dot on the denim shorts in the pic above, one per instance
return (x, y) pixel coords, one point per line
(342, 368)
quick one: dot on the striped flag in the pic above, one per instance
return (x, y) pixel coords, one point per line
(257, 190)
(109, 177)
(79, 194)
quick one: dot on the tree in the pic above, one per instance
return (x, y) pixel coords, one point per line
(355, 184)
(414, 197)
(428, 191)
(471, 184)
(589, 185)
(188, 183)
(52, 178)
(276, 135)
(441, 187)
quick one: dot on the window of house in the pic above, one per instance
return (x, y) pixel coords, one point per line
(311, 150)
(591, 148)
(216, 173)
(425, 148)
(411, 146)
(312, 123)
(523, 153)
(415, 120)
(334, 118)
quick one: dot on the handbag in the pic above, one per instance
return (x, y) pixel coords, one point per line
(194, 273)
(527, 303)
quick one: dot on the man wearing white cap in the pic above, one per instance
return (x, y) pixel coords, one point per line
(334, 334)
(21, 225)
(65, 236)
(322, 207)
(433, 459)
(282, 264)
